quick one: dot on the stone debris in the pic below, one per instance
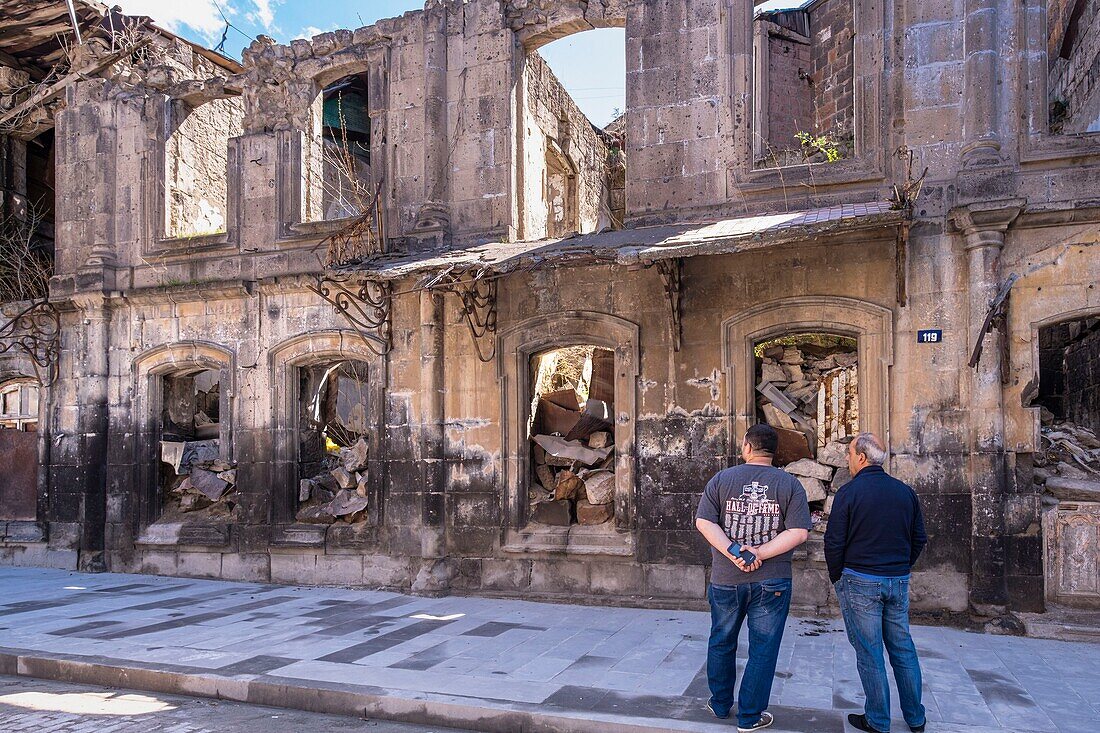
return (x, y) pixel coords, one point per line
(340, 491)
(554, 513)
(200, 480)
(812, 388)
(355, 457)
(599, 487)
(812, 469)
(344, 479)
(808, 392)
(1067, 465)
(573, 438)
(181, 455)
(815, 488)
(589, 513)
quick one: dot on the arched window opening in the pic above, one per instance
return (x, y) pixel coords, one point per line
(195, 480)
(1072, 55)
(338, 158)
(572, 436)
(803, 82)
(573, 135)
(196, 161)
(807, 388)
(1069, 401)
(334, 445)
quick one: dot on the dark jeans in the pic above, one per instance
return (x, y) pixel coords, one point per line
(876, 613)
(765, 605)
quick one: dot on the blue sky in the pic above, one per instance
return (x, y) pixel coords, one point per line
(591, 65)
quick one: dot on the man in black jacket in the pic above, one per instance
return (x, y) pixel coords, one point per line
(875, 534)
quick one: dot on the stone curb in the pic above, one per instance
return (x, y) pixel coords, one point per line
(367, 702)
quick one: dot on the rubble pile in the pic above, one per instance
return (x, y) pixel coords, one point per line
(810, 388)
(1067, 464)
(199, 482)
(338, 493)
(822, 478)
(808, 391)
(573, 448)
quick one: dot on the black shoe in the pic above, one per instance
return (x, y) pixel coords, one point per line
(859, 722)
(917, 728)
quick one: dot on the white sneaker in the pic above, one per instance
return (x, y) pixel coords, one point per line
(766, 719)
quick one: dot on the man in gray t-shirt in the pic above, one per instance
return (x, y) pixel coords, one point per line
(754, 516)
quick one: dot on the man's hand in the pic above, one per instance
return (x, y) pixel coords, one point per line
(741, 563)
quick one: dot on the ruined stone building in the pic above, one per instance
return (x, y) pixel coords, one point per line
(383, 308)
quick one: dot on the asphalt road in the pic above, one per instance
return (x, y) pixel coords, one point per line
(41, 706)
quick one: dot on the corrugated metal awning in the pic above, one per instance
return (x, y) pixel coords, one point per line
(643, 246)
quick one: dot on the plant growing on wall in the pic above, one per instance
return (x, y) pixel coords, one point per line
(823, 146)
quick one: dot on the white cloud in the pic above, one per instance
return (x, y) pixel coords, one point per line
(264, 14)
(199, 15)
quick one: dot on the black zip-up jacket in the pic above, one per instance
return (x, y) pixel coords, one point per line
(875, 526)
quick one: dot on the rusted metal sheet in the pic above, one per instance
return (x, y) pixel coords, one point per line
(19, 479)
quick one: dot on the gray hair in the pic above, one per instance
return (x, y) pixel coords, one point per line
(869, 445)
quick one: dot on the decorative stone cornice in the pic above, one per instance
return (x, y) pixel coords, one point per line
(984, 224)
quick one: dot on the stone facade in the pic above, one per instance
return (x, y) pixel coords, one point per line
(455, 100)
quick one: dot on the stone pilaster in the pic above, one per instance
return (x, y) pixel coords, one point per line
(983, 227)
(92, 420)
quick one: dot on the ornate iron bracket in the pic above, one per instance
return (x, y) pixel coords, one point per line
(366, 306)
(672, 274)
(36, 331)
(479, 307)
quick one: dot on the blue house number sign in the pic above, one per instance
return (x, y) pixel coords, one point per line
(930, 336)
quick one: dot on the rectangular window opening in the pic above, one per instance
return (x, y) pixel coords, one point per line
(338, 158)
(803, 83)
(1069, 401)
(195, 480)
(333, 443)
(196, 166)
(1073, 52)
(807, 388)
(573, 126)
(572, 437)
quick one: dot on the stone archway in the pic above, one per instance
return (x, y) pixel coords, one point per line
(538, 22)
(149, 370)
(285, 362)
(871, 325)
(515, 349)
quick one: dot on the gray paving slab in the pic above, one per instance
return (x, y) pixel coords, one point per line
(628, 666)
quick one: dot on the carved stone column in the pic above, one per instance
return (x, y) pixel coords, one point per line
(432, 225)
(987, 36)
(983, 227)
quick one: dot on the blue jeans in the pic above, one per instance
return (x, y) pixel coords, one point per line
(766, 605)
(876, 613)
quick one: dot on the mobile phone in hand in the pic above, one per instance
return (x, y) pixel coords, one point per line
(746, 556)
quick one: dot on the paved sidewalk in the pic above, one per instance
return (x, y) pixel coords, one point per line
(42, 706)
(496, 665)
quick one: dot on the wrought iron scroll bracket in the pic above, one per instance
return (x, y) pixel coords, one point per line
(35, 331)
(366, 305)
(479, 308)
(672, 274)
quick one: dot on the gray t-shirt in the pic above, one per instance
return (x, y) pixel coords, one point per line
(753, 504)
